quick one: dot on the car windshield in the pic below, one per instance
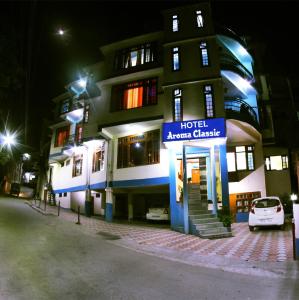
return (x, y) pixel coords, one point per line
(267, 202)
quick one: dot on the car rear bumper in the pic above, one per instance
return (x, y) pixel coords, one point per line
(157, 218)
(264, 221)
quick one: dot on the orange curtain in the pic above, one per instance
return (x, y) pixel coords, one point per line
(133, 97)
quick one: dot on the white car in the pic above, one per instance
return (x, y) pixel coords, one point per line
(266, 211)
(158, 214)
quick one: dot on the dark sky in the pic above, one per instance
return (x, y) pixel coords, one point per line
(55, 62)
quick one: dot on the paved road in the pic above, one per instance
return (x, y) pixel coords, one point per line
(44, 257)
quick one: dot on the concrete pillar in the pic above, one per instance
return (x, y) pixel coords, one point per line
(130, 207)
(224, 175)
(213, 179)
(88, 207)
(109, 205)
(185, 189)
(296, 221)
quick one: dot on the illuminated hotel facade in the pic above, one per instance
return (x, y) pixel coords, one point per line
(167, 119)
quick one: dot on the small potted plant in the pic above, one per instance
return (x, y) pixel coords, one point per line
(225, 217)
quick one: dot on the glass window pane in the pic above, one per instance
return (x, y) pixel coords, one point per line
(176, 63)
(175, 23)
(241, 161)
(250, 161)
(276, 162)
(240, 149)
(231, 162)
(199, 18)
(133, 58)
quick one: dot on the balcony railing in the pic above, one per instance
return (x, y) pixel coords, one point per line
(240, 110)
(229, 62)
(71, 141)
(70, 105)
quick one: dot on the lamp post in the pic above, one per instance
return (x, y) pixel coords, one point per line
(295, 226)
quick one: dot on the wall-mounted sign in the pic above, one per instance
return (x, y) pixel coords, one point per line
(194, 130)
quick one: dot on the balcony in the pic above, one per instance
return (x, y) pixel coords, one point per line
(72, 110)
(64, 150)
(228, 62)
(240, 110)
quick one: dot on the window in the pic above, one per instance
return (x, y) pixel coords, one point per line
(277, 162)
(139, 150)
(65, 106)
(79, 132)
(177, 105)
(62, 135)
(77, 165)
(209, 101)
(64, 194)
(204, 54)
(240, 159)
(98, 159)
(175, 23)
(134, 94)
(175, 59)
(60, 195)
(199, 19)
(86, 113)
(135, 56)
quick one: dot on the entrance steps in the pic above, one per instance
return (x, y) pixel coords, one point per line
(203, 223)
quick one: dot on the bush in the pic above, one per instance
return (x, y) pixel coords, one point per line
(225, 216)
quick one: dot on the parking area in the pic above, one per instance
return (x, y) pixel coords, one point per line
(267, 244)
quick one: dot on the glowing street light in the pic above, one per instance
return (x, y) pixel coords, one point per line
(8, 140)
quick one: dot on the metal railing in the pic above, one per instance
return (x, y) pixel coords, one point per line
(233, 64)
(239, 109)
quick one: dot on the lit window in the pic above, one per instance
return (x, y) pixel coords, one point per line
(175, 23)
(86, 113)
(231, 161)
(204, 54)
(209, 101)
(135, 56)
(139, 150)
(175, 59)
(242, 158)
(77, 165)
(177, 105)
(134, 94)
(199, 18)
(62, 136)
(98, 159)
(277, 162)
(79, 133)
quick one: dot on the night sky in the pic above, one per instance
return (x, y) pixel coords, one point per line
(52, 62)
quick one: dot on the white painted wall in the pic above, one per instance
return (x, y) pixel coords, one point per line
(255, 181)
(78, 199)
(65, 201)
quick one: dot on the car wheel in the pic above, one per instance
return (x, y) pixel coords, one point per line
(251, 228)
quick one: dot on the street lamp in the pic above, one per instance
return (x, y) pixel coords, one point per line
(8, 140)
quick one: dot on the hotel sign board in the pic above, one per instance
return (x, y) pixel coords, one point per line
(193, 130)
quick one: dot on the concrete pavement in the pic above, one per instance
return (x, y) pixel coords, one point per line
(267, 252)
